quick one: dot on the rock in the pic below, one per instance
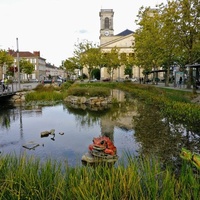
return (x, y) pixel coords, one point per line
(45, 134)
(31, 145)
(52, 132)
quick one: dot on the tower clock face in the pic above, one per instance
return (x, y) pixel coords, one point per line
(106, 33)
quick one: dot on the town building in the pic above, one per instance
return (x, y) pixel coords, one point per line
(42, 70)
(34, 58)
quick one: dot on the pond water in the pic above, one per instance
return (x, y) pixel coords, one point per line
(134, 128)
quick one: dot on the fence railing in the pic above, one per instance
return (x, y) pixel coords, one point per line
(6, 89)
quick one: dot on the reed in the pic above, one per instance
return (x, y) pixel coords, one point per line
(141, 178)
(45, 96)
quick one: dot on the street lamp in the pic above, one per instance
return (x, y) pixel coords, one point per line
(18, 64)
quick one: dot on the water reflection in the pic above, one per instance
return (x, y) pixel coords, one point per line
(160, 137)
(74, 130)
(132, 126)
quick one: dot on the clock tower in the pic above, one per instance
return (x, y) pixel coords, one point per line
(106, 22)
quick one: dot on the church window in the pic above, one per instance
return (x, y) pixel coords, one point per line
(107, 23)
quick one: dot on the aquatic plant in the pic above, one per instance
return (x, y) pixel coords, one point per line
(141, 178)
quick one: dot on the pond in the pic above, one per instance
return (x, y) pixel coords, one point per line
(135, 128)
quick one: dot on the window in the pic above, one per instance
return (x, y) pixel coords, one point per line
(131, 55)
(107, 23)
(123, 56)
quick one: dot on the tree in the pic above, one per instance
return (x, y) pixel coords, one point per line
(5, 59)
(70, 65)
(26, 67)
(168, 34)
(11, 70)
(128, 61)
(112, 61)
(87, 54)
(169, 38)
(147, 48)
(188, 29)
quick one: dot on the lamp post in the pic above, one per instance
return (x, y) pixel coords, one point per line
(18, 64)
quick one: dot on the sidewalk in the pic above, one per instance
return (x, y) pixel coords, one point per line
(171, 86)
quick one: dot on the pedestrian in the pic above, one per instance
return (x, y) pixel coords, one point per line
(180, 81)
(2, 85)
(6, 83)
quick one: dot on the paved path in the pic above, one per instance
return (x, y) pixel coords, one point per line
(171, 86)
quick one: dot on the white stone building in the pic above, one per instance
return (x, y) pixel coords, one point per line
(124, 41)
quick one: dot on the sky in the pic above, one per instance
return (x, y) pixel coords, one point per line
(53, 27)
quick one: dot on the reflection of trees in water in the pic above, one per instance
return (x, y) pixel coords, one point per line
(158, 136)
(116, 115)
(5, 120)
(86, 117)
(5, 114)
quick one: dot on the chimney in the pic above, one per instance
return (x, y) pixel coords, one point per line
(11, 52)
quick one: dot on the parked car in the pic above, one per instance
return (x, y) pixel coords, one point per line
(106, 79)
(120, 80)
(93, 80)
(47, 81)
(59, 80)
(33, 80)
(133, 79)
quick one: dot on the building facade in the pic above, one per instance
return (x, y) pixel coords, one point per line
(124, 41)
(38, 62)
(42, 70)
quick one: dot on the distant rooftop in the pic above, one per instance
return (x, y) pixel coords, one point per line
(124, 33)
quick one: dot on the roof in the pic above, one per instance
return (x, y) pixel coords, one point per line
(125, 32)
(196, 65)
(25, 54)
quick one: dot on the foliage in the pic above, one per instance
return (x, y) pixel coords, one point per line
(70, 65)
(113, 61)
(5, 59)
(89, 91)
(171, 103)
(167, 35)
(87, 54)
(45, 93)
(26, 66)
(44, 96)
(141, 178)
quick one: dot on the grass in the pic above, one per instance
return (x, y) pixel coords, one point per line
(142, 178)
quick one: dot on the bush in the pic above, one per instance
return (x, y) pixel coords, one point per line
(89, 91)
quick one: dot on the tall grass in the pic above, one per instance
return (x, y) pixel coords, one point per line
(142, 178)
(45, 96)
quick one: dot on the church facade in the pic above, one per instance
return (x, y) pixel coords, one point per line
(124, 41)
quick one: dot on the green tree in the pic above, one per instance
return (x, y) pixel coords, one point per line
(113, 61)
(168, 38)
(87, 54)
(168, 34)
(5, 60)
(70, 65)
(26, 67)
(128, 61)
(188, 29)
(148, 41)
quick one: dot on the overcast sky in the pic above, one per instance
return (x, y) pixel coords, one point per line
(54, 26)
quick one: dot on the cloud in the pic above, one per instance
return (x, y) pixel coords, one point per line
(82, 31)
